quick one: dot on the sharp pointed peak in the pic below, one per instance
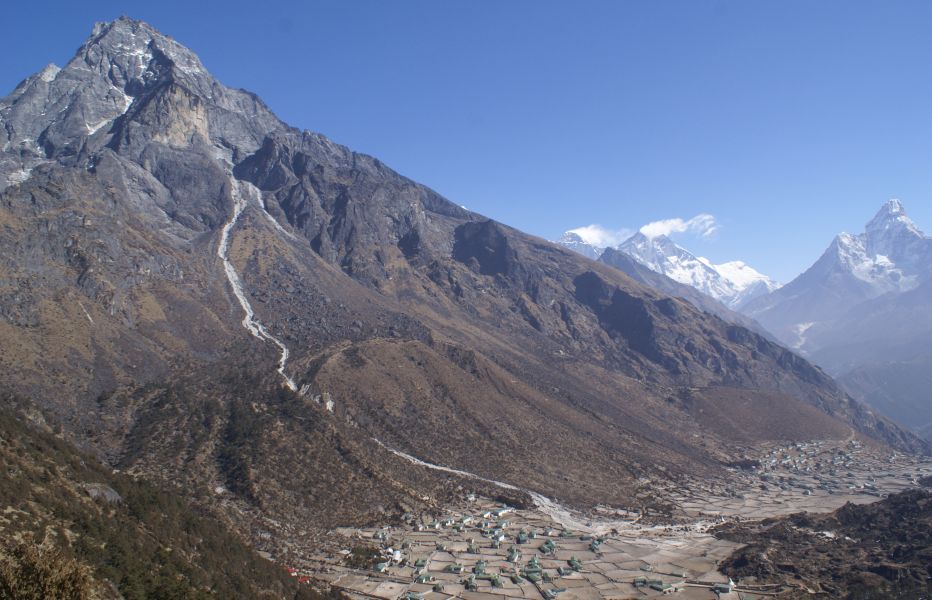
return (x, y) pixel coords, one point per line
(128, 40)
(893, 215)
(894, 204)
(891, 208)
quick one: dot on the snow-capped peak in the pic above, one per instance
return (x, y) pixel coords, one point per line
(592, 240)
(890, 229)
(890, 255)
(577, 243)
(891, 215)
(742, 275)
(732, 283)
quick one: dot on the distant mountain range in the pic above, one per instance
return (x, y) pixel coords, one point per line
(576, 243)
(639, 272)
(732, 283)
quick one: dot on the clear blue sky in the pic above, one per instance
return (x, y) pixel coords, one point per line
(787, 120)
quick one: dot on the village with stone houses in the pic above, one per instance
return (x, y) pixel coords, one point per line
(483, 550)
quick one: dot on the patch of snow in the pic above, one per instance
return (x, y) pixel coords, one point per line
(138, 50)
(878, 270)
(19, 176)
(142, 59)
(800, 330)
(86, 314)
(126, 99)
(123, 100)
(326, 398)
(94, 128)
(49, 73)
(742, 276)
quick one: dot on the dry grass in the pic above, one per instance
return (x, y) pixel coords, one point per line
(30, 571)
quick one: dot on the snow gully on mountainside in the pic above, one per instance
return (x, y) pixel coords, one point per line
(249, 321)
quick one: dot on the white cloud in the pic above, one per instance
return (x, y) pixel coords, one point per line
(702, 225)
(600, 236)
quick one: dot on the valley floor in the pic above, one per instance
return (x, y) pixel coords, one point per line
(604, 554)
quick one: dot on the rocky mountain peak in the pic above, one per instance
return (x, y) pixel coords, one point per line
(892, 208)
(49, 114)
(123, 49)
(889, 254)
(731, 283)
(128, 85)
(658, 244)
(577, 243)
(891, 230)
(891, 214)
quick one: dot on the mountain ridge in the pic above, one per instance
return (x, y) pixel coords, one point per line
(639, 272)
(733, 283)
